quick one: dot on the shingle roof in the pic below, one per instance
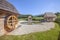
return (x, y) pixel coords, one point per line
(7, 6)
(49, 14)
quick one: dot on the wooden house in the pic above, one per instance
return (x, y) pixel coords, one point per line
(49, 16)
(8, 16)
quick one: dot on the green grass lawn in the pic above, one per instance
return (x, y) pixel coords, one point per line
(52, 34)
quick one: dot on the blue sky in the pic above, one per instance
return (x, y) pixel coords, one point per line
(36, 7)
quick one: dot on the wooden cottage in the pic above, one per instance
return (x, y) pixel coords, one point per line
(49, 16)
(8, 16)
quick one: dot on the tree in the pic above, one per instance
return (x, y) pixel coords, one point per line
(58, 17)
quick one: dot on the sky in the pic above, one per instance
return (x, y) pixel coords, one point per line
(36, 7)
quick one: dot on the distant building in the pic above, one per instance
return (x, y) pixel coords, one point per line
(49, 16)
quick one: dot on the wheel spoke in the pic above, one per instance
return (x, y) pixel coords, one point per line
(9, 21)
(12, 21)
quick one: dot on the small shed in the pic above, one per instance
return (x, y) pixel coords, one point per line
(49, 16)
(8, 16)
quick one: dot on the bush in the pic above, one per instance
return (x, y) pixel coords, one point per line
(36, 19)
(57, 20)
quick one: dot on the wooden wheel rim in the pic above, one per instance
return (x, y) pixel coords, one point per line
(12, 23)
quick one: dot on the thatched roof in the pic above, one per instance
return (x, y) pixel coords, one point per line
(49, 14)
(7, 6)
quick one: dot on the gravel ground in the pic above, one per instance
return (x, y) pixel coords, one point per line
(26, 29)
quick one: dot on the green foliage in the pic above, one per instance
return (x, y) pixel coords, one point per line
(24, 16)
(34, 18)
(58, 13)
(37, 18)
(58, 18)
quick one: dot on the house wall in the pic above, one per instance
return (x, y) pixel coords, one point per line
(2, 26)
(50, 19)
(54, 19)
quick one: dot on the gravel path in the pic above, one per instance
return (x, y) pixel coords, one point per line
(26, 29)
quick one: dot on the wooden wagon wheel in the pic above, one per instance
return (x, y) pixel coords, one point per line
(11, 22)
